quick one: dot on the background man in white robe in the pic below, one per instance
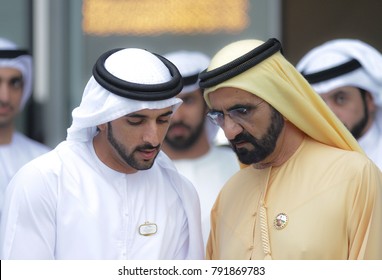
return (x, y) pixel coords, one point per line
(16, 149)
(190, 140)
(108, 192)
(347, 73)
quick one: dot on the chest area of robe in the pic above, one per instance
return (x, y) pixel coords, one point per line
(306, 209)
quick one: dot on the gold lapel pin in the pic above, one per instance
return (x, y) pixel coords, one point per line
(280, 221)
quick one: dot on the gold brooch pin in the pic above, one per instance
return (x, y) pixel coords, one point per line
(280, 221)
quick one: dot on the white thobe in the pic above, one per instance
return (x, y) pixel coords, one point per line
(68, 205)
(13, 156)
(208, 174)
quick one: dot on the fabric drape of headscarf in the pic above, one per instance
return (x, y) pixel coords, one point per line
(190, 63)
(339, 51)
(277, 82)
(23, 63)
(100, 106)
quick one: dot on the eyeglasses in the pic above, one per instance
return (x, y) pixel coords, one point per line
(240, 115)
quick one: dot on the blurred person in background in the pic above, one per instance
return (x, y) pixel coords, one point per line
(190, 140)
(347, 73)
(16, 149)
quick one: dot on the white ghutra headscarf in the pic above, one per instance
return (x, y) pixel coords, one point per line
(340, 51)
(100, 105)
(190, 64)
(23, 63)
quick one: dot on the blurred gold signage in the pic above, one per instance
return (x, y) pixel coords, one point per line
(155, 17)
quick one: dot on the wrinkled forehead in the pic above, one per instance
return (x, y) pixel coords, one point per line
(227, 97)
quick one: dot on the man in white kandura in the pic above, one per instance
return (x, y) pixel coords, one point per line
(16, 149)
(108, 192)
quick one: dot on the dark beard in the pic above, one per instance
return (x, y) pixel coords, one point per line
(129, 158)
(360, 126)
(184, 143)
(262, 147)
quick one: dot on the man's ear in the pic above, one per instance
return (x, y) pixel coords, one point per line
(102, 127)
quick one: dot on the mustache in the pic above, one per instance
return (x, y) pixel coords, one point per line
(242, 137)
(147, 147)
(179, 124)
(5, 104)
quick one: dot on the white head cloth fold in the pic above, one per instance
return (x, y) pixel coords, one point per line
(189, 64)
(23, 63)
(100, 106)
(339, 51)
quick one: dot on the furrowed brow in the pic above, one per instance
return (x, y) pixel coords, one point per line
(169, 113)
(215, 111)
(136, 116)
(236, 106)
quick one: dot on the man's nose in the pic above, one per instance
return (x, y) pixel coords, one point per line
(231, 128)
(151, 135)
(5, 92)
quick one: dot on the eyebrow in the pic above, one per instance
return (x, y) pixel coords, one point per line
(340, 91)
(336, 93)
(236, 106)
(12, 78)
(17, 77)
(249, 106)
(136, 115)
